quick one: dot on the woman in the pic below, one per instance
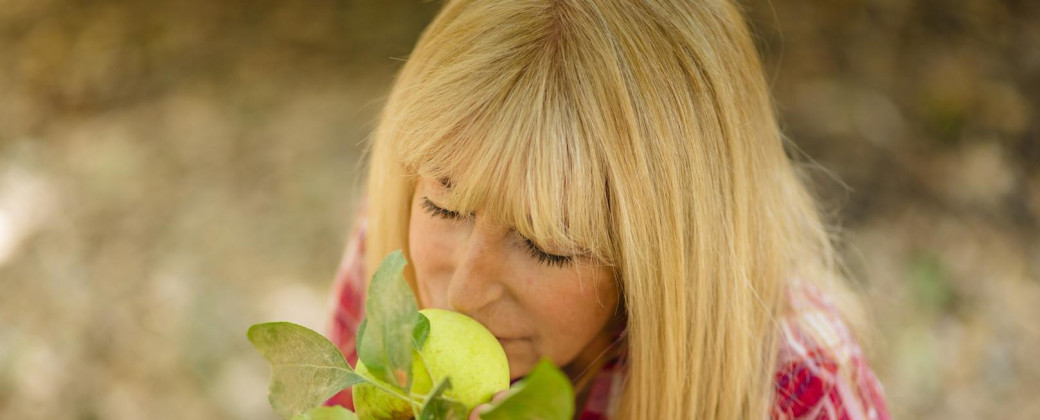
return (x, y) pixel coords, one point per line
(604, 183)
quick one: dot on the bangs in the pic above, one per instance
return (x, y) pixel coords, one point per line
(512, 144)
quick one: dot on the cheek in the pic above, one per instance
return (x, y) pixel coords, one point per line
(573, 311)
(431, 249)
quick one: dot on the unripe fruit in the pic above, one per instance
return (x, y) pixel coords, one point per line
(457, 347)
(373, 403)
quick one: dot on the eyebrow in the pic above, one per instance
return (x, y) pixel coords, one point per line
(447, 183)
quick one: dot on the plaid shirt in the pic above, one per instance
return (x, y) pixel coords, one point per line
(815, 342)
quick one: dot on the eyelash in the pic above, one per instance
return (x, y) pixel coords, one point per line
(536, 253)
(439, 212)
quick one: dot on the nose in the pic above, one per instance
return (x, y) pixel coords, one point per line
(475, 283)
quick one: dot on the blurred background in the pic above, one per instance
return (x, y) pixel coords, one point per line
(173, 172)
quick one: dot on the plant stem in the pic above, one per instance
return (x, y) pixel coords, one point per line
(412, 401)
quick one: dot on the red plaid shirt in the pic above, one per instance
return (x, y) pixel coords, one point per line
(809, 385)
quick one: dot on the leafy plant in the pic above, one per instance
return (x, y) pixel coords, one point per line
(307, 369)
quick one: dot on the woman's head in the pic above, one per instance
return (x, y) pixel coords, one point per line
(637, 137)
(539, 300)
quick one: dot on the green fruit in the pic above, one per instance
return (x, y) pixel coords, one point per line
(458, 347)
(462, 349)
(373, 403)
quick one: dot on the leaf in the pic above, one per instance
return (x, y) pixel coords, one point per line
(385, 347)
(361, 333)
(421, 331)
(439, 407)
(544, 394)
(306, 368)
(327, 413)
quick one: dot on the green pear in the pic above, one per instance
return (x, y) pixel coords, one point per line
(373, 403)
(458, 347)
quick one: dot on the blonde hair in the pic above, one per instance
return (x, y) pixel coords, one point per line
(641, 133)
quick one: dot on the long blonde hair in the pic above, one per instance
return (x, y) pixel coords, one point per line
(641, 132)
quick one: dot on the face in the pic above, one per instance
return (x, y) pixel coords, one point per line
(536, 302)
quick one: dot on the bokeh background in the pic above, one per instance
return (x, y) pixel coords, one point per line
(173, 172)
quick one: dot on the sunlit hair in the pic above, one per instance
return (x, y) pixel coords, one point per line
(641, 133)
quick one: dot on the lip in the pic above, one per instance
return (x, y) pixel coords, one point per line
(507, 337)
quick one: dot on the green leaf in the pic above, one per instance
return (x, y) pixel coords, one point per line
(327, 413)
(306, 368)
(386, 345)
(439, 407)
(544, 394)
(361, 332)
(421, 331)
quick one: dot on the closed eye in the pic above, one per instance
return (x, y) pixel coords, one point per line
(436, 211)
(535, 252)
(545, 257)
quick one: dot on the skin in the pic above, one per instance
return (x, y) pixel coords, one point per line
(486, 271)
